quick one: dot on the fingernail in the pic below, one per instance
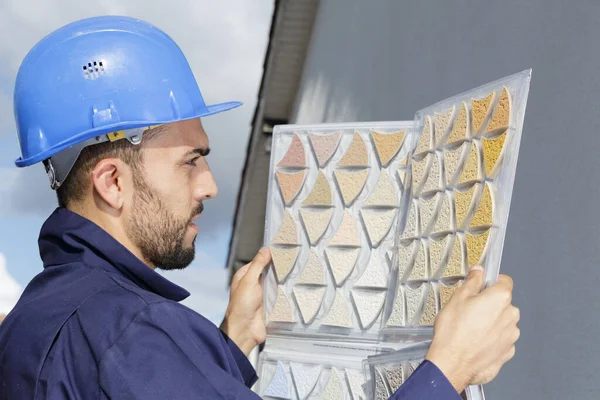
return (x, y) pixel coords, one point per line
(264, 251)
(477, 268)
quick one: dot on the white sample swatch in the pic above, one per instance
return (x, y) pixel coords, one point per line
(338, 314)
(342, 262)
(334, 389)
(309, 301)
(346, 234)
(375, 275)
(305, 377)
(368, 305)
(312, 274)
(280, 385)
(355, 380)
(397, 315)
(378, 224)
(384, 193)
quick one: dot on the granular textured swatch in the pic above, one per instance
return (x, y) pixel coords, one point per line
(484, 213)
(346, 234)
(342, 262)
(425, 141)
(309, 301)
(334, 389)
(443, 221)
(501, 116)
(355, 381)
(290, 184)
(282, 311)
(295, 156)
(446, 292)
(397, 316)
(393, 374)
(434, 177)
(375, 275)
(437, 252)
(419, 269)
(429, 310)
(419, 173)
(338, 314)
(356, 155)
(351, 183)
(387, 145)
(320, 194)
(471, 170)
(476, 247)
(324, 146)
(405, 253)
(463, 202)
(454, 266)
(381, 392)
(280, 385)
(402, 176)
(384, 194)
(283, 261)
(452, 161)
(378, 224)
(459, 130)
(316, 223)
(287, 233)
(368, 305)
(312, 274)
(410, 228)
(305, 377)
(492, 149)
(480, 108)
(427, 208)
(414, 297)
(441, 123)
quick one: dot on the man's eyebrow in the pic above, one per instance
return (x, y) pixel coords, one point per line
(201, 151)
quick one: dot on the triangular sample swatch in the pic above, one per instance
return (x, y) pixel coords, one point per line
(426, 139)
(459, 130)
(381, 390)
(452, 161)
(283, 261)
(485, 210)
(280, 384)
(295, 156)
(437, 251)
(356, 155)
(471, 170)
(384, 194)
(501, 116)
(334, 389)
(355, 380)
(316, 223)
(305, 377)
(427, 211)
(290, 184)
(410, 228)
(324, 146)
(351, 183)
(309, 301)
(454, 266)
(463, 202)
(312, 274)
(341, 262)
(338, 314)
(443, 222)
(397, 316)
(394, 377)
(387, 145)
(476, 247)
(414, 298)
(446, 292)
(375, 275)
(419, 269)
(480, 108)
(320, 195)
(378, 224)
(429, 310)
(419, 173)
(434, 177)
(346, 234)
(287, 233)
(405, 254)
(368, 305)
(441, 123)
(282, 312)
(492, 149)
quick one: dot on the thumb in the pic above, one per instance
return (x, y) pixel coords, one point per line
(474, 282)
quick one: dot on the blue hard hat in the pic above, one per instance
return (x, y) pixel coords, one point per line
(97, 76)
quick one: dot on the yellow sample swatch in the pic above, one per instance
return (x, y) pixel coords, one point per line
(463, 201)
(419, 269)
(290, 184)
(384, 194)
(459, 130)
(282, 312)
(387, 145)
(342, 263)
(419, 173)
(368, 305)
(454, 266)
(356, 155)
(427, 210)
(471, 170)
(377, 223)
(295, 155)
(414, 298)
(410, 228)
(397, 316)
(437, 252)
(484, 213)
(320, 194)
(425, 141)
(433, 181)
(346, 234)
(351, 183)
(443, 222)
(480, 108)
(405, 253)
(452, 160)
(309, 301)
(283, 261)
(501, 116)
(492, 149)
(338, 314)
(429, 310)
(287, 232)
(476, 247)
(441, 123)
(446, 292)
(375, 275)
(312, 274)
(316, 223)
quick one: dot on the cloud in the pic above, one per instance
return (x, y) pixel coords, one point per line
(10, 290)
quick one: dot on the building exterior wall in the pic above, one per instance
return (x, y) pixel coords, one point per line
(384, 59)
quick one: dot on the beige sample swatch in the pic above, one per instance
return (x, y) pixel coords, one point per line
(443, 221)
(419, 269)
(459, 130)
(368, 305)
(441, 123)
(334, 389)
(351, 183)
(414, 297)
(501, 116)
(425, 141)
(476, 247)
(342, 262)
(381, 391)
(410, 228)
(338, 314)
(283, 261)
(387, 145)
(452, 161)
(485, 210)
(397, 316)
(427, 210)
(309, 301)
(295, 156)
(320, 194)
(282, 312)
(375, 275)
(419, 173)
(290, 184)
(429, 310)
(463, 201)
(378, 224)
(433, 181)
(394, 377)
(446, 292)
(405, 253)
(316, 223)
(480, 108)
(384, 194)
(287, 233)
(492, 149)
(312, 274)
(471, 169)
(454, 266)
(346, 234)
(324, 146)
(437, 251)
(356, 155)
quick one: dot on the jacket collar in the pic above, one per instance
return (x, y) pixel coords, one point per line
(67, 237)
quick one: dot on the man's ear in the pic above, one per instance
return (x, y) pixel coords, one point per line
(111, 180)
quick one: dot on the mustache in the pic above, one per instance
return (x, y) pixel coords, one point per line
(198, 210)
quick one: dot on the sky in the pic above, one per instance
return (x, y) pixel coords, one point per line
(225, 43)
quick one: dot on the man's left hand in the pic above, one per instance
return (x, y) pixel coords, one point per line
(244, 319)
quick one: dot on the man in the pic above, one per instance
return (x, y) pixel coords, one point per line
(110, 106)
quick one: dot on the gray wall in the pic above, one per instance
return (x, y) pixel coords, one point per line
(384, 59)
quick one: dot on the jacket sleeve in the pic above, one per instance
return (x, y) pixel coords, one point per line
(246, 369)
(160, 357)
(426, 383)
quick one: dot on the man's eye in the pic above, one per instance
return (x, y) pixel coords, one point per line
(192, 162)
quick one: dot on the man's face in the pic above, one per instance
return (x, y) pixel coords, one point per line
(175, 179)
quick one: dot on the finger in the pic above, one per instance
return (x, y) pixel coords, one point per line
(505, 281)
(473, 284)
(500, 292)
(237, 277)
(258, 264)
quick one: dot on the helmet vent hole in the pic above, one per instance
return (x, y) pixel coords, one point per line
(93, 69)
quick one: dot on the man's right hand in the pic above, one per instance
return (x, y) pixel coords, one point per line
(475, 333)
